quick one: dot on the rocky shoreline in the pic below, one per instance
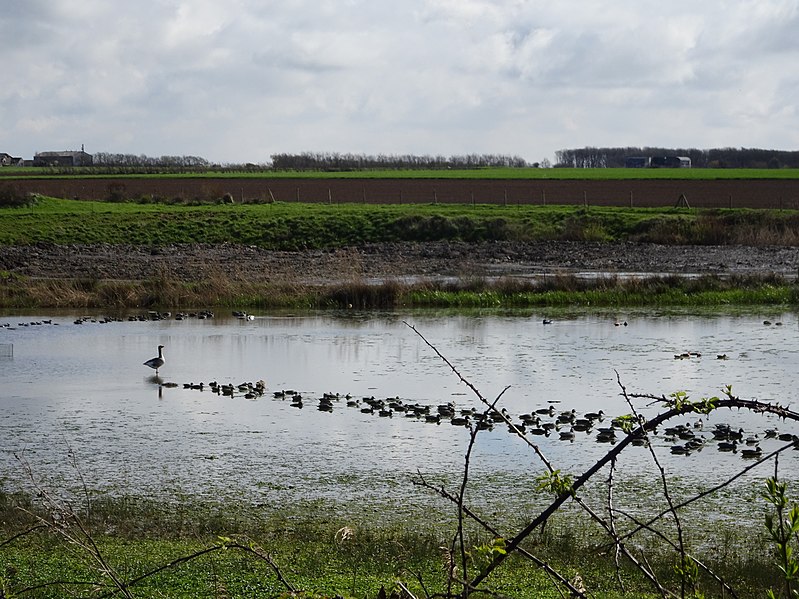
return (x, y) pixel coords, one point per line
(196, 262)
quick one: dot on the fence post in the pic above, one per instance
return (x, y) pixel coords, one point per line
(631, 199)
(544, 197)
(298, 194)
(585, 199)
(329, 196)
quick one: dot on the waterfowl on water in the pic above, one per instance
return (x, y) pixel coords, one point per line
(567, 435)
(751, 453)
(595, 415)
(158, 361)
(680, 450)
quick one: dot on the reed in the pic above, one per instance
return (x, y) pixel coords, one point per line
(165, 291)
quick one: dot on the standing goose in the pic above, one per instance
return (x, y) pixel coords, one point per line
(157, 362)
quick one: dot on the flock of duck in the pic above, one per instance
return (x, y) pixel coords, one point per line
(566, 426)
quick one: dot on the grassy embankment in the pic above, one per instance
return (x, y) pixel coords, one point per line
(238, 551)
(300, 226)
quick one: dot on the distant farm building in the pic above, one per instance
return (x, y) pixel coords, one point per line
(68, 158)
(670, 162)
(657, 162)
(637, 162)
(9, 160)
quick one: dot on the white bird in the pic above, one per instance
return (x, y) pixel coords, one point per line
(157, 362)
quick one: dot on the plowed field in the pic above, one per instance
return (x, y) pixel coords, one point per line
(749, 193)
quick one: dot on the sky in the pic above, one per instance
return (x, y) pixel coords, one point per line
(240, 80)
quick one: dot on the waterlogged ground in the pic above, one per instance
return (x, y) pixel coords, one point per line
(78, 404)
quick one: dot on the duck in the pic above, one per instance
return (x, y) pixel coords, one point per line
(751, 453)
(158, 361)
(595, 415)
(460, 421)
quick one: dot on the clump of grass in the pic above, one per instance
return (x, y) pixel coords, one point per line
(168, 292)
(12, 197)
(362, 295)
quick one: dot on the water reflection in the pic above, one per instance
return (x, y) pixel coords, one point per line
(83, 388)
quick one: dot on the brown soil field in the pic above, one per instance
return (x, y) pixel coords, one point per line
(749, 193)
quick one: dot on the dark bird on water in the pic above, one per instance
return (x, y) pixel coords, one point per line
(157, 362)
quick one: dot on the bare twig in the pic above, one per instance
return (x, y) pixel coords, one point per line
(68, 525)
(24, 533)
(612, 524)
(421, 481)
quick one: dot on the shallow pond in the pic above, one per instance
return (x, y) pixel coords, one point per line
(78, 402)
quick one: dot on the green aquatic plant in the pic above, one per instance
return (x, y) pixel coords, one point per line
(783, 527)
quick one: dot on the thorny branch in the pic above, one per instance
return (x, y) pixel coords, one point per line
(644, 427)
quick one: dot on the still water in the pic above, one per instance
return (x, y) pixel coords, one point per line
(78, 402)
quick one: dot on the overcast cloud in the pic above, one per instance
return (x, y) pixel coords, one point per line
(239, 80)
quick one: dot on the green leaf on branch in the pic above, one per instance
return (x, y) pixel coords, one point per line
(555, 483)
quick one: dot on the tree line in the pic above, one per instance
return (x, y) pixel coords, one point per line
(133, 160)
(591, 157)
(314, 161)
(588, 157)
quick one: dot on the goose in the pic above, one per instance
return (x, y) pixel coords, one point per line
(157, 362)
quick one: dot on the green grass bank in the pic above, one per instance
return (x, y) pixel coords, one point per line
(234, 551)
(296, 227)
(292, 226)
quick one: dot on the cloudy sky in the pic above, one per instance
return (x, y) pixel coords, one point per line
(239, 80)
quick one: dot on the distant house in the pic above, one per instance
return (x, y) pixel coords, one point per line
(9, 160)
(67, 158)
